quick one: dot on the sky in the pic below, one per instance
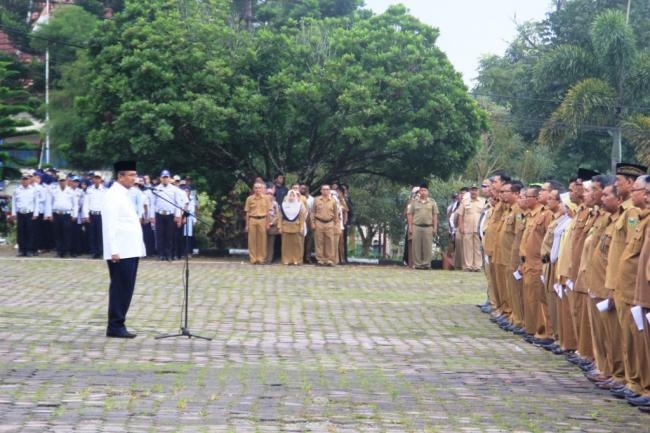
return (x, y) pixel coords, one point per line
(470, 29)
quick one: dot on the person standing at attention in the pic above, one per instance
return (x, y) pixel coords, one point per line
(123, 246)
(423, 223)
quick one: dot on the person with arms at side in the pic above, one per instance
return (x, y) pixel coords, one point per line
(123, 246)
(257, 221)
(423, 223)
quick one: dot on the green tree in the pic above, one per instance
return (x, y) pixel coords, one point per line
(607, 97)
(13, 100)
(185, 88)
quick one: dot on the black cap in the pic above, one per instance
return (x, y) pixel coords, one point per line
(632, 170)
(125, 166)
(586, 174)
(424, 185)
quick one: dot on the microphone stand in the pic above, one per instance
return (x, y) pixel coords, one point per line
(185, 329)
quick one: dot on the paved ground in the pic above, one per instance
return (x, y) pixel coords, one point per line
(298, 349)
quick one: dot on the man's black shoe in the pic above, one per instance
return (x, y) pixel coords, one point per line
(123, 334)
(639, 401)
(623, 393)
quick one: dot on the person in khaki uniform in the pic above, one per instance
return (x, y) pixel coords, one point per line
(516, 285)
(257, 221)
(625, 280)
(505, 238)
(578, 296)
(490, 239)
(626, 175)
(324, 219)
(291, 225)
(591, 279)
(423, 223)
(550, 242)
(642, 299)
(534, 294)
(611, 337)
(469, 213)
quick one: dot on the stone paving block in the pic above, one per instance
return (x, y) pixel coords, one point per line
(300, 349)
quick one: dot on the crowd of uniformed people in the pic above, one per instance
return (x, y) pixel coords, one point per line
(569, 271)
(60, 212)
(295, 227)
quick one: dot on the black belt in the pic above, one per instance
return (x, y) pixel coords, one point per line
(25, 212)
(164, 212)
(424, 225)
(95, 212)
(324, 221)
(61, 212)
(258, 217)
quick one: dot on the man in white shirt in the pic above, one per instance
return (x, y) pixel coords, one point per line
(123, 246)
(92, 214)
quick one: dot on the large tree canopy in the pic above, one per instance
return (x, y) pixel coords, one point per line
(578, 81)
(187, 88)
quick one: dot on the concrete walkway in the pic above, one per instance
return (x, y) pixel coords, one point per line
(294, 349)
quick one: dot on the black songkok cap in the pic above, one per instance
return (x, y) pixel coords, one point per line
(586, 174)
(125, 166)
(632, 170)
(424, 185)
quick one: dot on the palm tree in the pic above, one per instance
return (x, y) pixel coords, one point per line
(614, 74)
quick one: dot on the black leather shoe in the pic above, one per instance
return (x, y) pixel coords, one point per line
(624, 393)
(639, 401)
(124, 334)
(644, 409)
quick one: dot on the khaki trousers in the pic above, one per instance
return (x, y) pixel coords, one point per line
(292, 248)
(643, 358)
(613, 345)
(493, 295)
(534, 303)
(324, 242)
(471, 251)
(598, 336)
(504, 297)
(550, 305)
(422, 246)
(631, 344)
(581, 322)
(257, 240)
(515, 292)
(567, 337)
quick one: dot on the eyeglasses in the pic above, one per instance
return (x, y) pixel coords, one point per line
(638, 189)
(531, 196)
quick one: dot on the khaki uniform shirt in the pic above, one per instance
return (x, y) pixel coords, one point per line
(598, 268)
(623, 230)
(492, 228)
(506, 235)
(629, 261)
(325, 210)
(536, 233)
(520, 226)
(577, 240)
(257, 206)
(423, 211)
(642, 292)
(469, 212)
(592, 231)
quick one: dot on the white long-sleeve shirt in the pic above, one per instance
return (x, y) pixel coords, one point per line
(121, 229)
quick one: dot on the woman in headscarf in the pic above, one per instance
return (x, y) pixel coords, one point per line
(292, 228)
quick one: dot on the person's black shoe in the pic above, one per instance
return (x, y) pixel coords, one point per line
(642, 400)
(123, 334)
(644, 409)
(623, 393)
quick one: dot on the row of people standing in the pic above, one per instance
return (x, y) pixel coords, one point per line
(298, 222)
(570, 272)
(65, 215)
